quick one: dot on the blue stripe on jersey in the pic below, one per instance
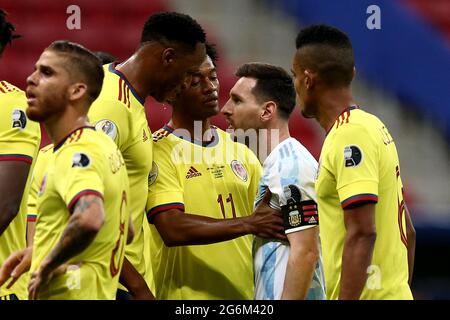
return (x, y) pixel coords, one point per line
(268, 269)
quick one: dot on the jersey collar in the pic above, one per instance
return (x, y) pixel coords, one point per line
(214, 141)
(112, 68)
(60, 144)
(352, 107)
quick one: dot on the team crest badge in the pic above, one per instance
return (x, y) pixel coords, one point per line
(352, 156)
(239, 170)
(19, 119)
(294, 218)
(108, 127)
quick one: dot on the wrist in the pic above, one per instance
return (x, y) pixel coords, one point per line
(248, 225)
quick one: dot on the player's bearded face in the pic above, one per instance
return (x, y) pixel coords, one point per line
(47, 87)
(302, 98)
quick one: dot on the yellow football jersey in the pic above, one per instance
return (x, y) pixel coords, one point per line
(42, 160)
(120, 113)
(217, 180)
(87, 162)
(19, 141)
(359, 162)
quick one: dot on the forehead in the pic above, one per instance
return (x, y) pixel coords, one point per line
(206, 66)
(244, 86)
(51, 59)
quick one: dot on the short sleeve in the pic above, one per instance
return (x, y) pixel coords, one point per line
(111, 117)
(354, 161)
(19, 136)
(291, 182)
(81, 172)
(165, 191)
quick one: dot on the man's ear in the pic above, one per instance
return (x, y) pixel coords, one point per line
(269, 110)
(310, 79)
(77, 91)
(168, 56)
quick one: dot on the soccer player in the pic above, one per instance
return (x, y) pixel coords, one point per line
(172, 46)
(201, 192)
(82, 207)
(19, 143)
(367, 236)
(262, 100)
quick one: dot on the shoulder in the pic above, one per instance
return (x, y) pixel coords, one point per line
(159, 136)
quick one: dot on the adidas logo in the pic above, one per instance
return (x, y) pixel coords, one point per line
(192, 173)
(312, 220)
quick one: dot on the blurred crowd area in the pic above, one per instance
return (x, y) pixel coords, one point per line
(402, 76)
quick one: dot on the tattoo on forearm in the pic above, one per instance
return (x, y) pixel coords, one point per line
(74, 239)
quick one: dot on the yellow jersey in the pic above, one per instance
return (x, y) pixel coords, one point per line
(120, 113)
(217, 180)
(87, 162)
(40, 166)
(359, 162)
(19, 141)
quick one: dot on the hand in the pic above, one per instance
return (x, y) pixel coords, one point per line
(15, 265)
(43, 277)
(267, 222)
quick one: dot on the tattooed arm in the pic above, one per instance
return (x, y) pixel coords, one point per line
(84, 224)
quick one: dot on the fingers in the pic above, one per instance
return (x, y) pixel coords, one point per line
(267, 196)
(8, 267)
(18, 271)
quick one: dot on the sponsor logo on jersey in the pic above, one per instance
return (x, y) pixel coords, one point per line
(153, 174)
(239, 170)
(19, 119)
(108, 127)
(192, 173)
(352, 156)
(80, 160)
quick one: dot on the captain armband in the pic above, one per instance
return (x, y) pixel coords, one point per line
(299, 214)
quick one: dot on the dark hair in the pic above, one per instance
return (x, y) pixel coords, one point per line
(173, 27)
(331, 56)
(212, 52)
(6, 31)
(84, 62)
(105, 57)
(272, 83)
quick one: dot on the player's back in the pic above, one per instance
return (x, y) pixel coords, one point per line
(368, 157)
(86, 162)
(120, 113)
(19, 141)
(217, 180)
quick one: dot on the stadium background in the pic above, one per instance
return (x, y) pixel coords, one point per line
(402, 76)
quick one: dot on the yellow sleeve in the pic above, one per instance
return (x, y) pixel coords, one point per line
(111, 117)
(165, 191)
(19, 136)
(81, 172)
(354, 162)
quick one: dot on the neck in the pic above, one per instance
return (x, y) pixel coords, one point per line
(277, 132)
(197, 128)
(332, 103)
(60, 127)
(132, 70)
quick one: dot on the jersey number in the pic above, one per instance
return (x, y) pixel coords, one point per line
(222, 207)
(401, 207)
(120, 245)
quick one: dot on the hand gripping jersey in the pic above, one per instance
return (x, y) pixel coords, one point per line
(359, 162)
(120, 113)
(87, 162)
(289, 173)
(19, 141)
(217, 180)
